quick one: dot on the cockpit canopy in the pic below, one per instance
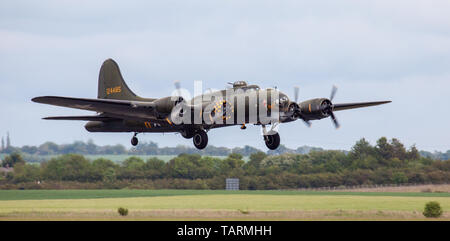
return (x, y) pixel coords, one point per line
(243, 85)
(239, 84)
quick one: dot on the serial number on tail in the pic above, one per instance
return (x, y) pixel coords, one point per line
(113, 90)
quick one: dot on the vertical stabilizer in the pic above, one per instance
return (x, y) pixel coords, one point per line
(111, 84)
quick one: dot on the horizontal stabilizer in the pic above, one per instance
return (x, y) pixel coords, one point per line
(347, 106)
(82, 118)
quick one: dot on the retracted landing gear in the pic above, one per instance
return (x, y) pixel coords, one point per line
(134, 140)
(200, 139)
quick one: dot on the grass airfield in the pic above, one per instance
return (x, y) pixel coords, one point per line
(216, 205)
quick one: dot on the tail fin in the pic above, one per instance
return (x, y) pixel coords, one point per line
(111, 84)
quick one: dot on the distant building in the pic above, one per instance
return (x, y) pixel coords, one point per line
(232, 184)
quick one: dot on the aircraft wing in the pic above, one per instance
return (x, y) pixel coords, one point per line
(82, 118)
(134, 109)
(347, 106)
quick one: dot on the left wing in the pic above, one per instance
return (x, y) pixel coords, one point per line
(82, 118)
(125, 108)
(347, 106)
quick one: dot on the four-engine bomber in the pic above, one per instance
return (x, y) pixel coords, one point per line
(120, 110)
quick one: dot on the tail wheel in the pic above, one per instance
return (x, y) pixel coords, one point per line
(200, 139)
(272, 141)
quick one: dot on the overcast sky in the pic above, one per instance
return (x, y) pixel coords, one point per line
(372, 50)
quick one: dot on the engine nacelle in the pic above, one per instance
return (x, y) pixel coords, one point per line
(315, 109)
(165, 105)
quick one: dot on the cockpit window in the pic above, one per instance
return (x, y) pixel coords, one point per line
(251, 88)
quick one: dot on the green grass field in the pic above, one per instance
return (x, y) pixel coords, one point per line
(215, 205)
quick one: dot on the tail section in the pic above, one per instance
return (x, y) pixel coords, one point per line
(111, 84)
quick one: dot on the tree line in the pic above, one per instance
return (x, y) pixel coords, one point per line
(144, 148)
(152, 148)
(386, 162)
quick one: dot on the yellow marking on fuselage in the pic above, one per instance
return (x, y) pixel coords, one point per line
(168, 121)
(309, 107)
(148, 124)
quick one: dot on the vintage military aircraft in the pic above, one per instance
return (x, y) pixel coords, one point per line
(120, 110)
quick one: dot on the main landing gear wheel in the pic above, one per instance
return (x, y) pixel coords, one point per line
(134, 140)
(200, 139)
(272, 141)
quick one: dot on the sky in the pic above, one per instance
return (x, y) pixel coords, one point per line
(371, 50)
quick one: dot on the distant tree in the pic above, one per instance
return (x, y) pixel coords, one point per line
(232, 162)
(280, 150)
(12, 159)
(109, 175)
(256, 159)
(399, 150)
(384, 149)
(154, 168)
(183, 166)
(105, 169)
(132, 168)
(361, 150)
(48, 148)
(235, 156)
(246, 151)
(112, 150)
(399, 177)
(29, 149)
(154, 163)
(69, 167)
(133, 163)
(91, 148)
(25, 172)
(307, 149)
(3, 144)
(413, 153)
(8, 140)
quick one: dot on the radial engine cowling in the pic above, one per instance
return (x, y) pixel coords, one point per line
(315, 109)
(165, 105)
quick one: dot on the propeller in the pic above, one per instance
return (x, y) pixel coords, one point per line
(307, 122)
(333, 92)
(296, 90)
(296, 112)
(178, 110)
(328, 108)
(177, 87)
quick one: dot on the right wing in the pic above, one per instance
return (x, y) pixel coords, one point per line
(123, 108)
